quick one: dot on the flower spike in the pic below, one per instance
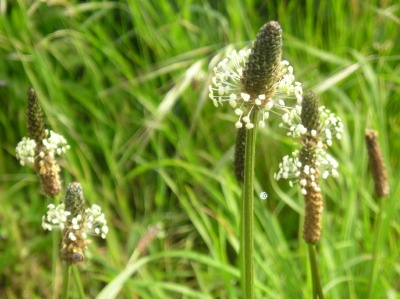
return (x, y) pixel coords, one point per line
(76, 222)
(313, 126)
(262, 68)
(36, 128)
(40, 147)
(376, 164)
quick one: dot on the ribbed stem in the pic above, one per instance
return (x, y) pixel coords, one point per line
(247, 219)
(317, 288)
(65, 286)
(240, 146)
(381, 187)
(78, 282)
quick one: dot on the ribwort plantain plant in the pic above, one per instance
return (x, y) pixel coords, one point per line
(382, 190)
(76, 222)
(254, 82)
(72, 216)
(315, 127)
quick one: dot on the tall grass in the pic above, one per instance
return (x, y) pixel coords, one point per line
(127, 84)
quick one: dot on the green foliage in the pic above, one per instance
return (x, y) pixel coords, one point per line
(126, 82)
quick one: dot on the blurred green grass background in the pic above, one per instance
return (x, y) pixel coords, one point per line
(126, 82)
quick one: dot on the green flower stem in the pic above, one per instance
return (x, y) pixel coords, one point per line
(317, 289)
(247, 217)
(65, 286)
(54, 265)
(66, 273)
(78, 282)
(378, 241)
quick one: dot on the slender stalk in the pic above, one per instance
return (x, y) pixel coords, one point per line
(382, 190)
(78, 281)
(378, 228)
(55, 265)
(65, 286)
(317, 289)
(247, 217)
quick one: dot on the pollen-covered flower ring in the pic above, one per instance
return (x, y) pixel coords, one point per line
(255, 80)
(316, 128)
(53, 144)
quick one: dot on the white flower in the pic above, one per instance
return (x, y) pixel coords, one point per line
(56, 217)
(292, 168)
(91, 221)
(26, 148)
(98, 222)
(55, 143)
(226, 87)
(25, 151)
(331, 126)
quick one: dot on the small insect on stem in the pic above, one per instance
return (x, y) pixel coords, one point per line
(77, 257)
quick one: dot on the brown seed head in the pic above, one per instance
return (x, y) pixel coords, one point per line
(376, 163)
(313, 216)
(72, 250)
(313, 198)
(48, 171)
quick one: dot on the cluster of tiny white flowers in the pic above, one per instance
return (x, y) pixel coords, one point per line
(287, 83)
(291, 120)
(96, 221)
(25, 151)
(56, 217)
(92, 221)
(226, 79)
(26, 148)
(226, 87)
(331, 125)
(55, 143)
(291, 168)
